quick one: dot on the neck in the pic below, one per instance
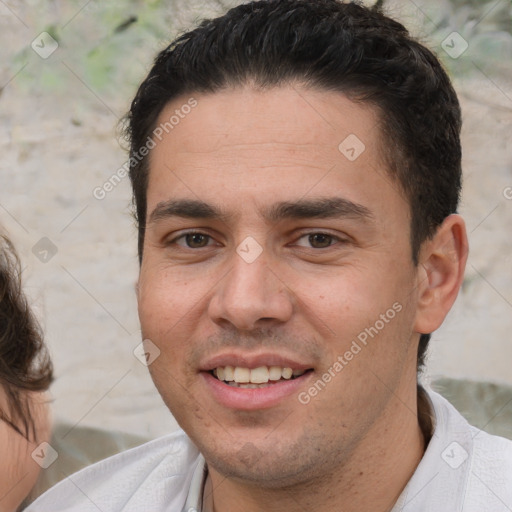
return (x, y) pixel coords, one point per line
(372, 479)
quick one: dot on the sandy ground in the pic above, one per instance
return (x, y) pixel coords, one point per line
(58, 144)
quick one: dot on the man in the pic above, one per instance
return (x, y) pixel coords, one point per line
(296, 172)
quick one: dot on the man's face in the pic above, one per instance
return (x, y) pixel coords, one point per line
(269, 247)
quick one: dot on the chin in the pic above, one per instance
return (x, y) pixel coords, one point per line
(265, 464)
(264, 473)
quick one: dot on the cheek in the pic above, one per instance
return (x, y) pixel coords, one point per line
(162, 299)
(355, 304)
(169, 313)
(340, 301)
(18, 471)
(166, 292)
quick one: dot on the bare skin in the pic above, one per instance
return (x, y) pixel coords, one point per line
(245, 161)
(19, 471)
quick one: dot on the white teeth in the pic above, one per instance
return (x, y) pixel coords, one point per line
(242, 375)
(261, 375)
(275, 372)
(287, 373)
(228, 373)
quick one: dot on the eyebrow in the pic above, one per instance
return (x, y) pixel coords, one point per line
(186, 208)
(323, 208)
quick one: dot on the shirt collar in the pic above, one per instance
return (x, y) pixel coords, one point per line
(194, 501)
(441, 477)
(439, 480)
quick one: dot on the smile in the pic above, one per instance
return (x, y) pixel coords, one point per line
(260, 377)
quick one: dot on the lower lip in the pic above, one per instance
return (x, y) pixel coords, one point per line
(250, 399)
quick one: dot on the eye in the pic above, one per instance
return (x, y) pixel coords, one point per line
(194, 240)
(320, 240)
(317, 240)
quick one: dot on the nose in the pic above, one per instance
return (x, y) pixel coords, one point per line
(251, 295)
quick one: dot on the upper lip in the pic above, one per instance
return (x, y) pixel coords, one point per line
(246, 360)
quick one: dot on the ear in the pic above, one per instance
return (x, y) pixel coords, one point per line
(442, 261)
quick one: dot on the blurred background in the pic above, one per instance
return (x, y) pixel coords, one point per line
(68, 70)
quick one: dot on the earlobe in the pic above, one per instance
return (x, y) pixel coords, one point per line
(441, 272)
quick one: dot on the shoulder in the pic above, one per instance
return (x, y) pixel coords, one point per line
(155, 475)
(490, 475)
(482, 461)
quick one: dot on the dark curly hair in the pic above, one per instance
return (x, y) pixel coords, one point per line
(24, 361)
(326, 45)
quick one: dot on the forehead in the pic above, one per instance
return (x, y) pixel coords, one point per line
(288, 114)
(279, 141)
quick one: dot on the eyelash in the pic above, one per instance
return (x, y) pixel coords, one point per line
(190, 233)
(334, 239)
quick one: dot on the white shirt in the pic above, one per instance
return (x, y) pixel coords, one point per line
(463, 470)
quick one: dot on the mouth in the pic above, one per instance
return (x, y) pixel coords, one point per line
(254, 381)
(256, 378)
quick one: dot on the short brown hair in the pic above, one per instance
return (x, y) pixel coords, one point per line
(25, 364)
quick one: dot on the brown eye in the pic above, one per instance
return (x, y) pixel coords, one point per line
(320, 240)
(196, 240)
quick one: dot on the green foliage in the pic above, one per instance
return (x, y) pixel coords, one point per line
(109, 45)
(486, 25)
